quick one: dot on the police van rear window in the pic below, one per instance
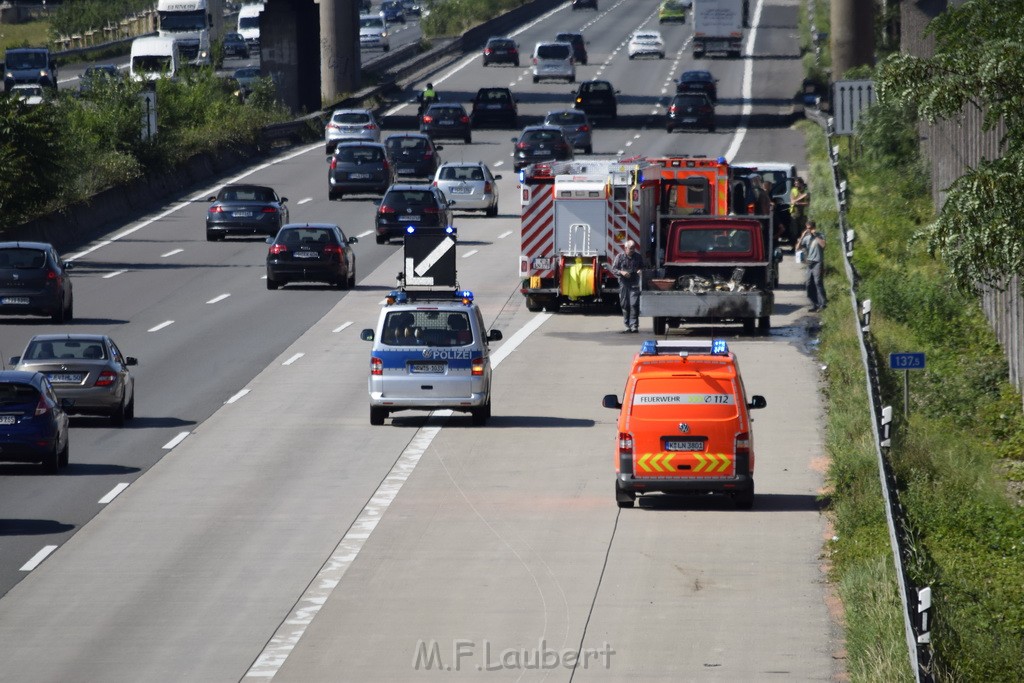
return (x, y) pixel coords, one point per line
(427, 328)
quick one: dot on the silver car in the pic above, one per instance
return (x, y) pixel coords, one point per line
(373, 32)
(351, 124)
(553, 60)
(87, 368)
(469, 186)
(576, 126)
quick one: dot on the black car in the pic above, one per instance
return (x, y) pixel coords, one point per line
(35, 281)
(494, 106)
(541, 143)
(579, 46)
(234, 45)
(245, 210)
(415, 154)
(357, 167)
(501, 51)
(411, 8)
(311, 252)
(415, 206)
(33, 421)
(584, 4)
(699, 81)
(95, 74)
(691, 110)
(446, 120)
(597, 99)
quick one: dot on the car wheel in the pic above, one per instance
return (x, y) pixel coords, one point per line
(378, 415)
(517, 63)
(711, 128)
(352, 278)
(381, 239)
(533, 306)
(129, 411)
(481, 414)
(492, 211)
(117, 417)
(631, 58)
(485, 62)
(764, 324)
(52, 462)
(745, 499)
(60, 315)
(589, 149)
(468, 139)
(69, 314)
(387, 48)
(63, 456)
(572, 79)
(624, 499)
(332, 196)
(660, 325)
(661, 55)
(536, 80)
(668, 129)
(272, 284)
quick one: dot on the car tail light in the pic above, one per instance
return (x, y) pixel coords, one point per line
(106, 378)
(271, 209)
(673, 109)
(376, 366)
(488, 50)
(742, 444)
(386, 166)
(579, 100)
(464, 119)
(534, 60)
(584, 128)
(487, 187)
(428, 119)
(332, 249)
(706, 110)
(41, 407)
(276, 249)
(370, 126)
(429, 154)
(478, 367)
(334, 163)
(513, 51)
(625, 459)
(52, 275)
(384, 208)
(751, 208)
(216, 209)
(522, 145)
(333, 126)
(430, 209)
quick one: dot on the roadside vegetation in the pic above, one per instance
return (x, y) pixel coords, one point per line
(453, 17)
(960, 454)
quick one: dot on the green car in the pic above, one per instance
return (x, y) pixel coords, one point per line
(673, 10)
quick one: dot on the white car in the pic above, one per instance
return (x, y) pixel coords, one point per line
(553, 60)
(29, 93)
(643, 43)
(373, 32)
(469, 186)
(351, 124)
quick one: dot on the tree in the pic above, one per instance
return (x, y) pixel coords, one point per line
(978, 62)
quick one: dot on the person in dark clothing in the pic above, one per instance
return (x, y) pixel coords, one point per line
(628, 267)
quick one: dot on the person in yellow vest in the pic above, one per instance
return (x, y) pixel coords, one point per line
(799, 203)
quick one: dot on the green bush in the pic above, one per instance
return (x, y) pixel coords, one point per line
(78, 16)
(452, 17)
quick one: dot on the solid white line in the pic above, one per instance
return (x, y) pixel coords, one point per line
(237, 396)
(171, 253)
(37, 558)
(498, 163)
(114, 274)
(504, 234)
(305, 200)
(114, 492)
(161, 326)
(518, 338)
(748, 79)
(218, 298)
(470, 253)
(342, 326)
(175, 441)
(365, 234)
(293, 358)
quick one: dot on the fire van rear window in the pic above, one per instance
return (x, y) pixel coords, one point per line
(669, 399)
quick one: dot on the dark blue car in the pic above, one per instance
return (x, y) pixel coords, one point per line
(392, 11)
(33, 421)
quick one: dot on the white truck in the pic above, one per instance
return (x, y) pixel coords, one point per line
(717, 27)
(153, 57)
(249, 23)
(193, 24)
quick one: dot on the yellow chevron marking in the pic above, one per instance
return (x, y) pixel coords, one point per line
(726, 461)
(656, 462)
(700, 459)
(642, 462)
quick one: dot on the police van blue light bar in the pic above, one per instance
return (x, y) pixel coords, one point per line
(712, 347)
(465, 295)
(396, 296)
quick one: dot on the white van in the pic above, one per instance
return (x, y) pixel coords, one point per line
(553, 60)
(249, 23)
(154, 57)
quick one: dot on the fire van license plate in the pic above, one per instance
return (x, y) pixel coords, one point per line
(542, 263)
(684, 445)
(427, 368)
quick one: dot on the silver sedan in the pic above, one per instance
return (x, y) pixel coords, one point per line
(469, 186)
(88, 368)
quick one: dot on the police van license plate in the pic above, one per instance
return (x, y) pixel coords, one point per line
(427, 368)
(684, 445)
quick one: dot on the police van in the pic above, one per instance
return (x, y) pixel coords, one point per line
(430, 351)
(684, 424)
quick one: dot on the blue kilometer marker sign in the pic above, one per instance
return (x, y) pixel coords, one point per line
(906, 361)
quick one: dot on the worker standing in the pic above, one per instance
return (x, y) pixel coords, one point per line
(628, 267)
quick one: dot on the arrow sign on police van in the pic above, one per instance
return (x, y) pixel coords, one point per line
(429, 260)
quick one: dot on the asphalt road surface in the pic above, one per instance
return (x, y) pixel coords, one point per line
(250, 523)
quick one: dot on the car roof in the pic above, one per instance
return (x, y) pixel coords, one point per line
(20, 376)
(695, 75)
(308, 225)
(571, 34)
(79, 336)
(462, 164)
(25, 245)
(401, 187)
(351, 111)
(558, 112)
(422, 136)
(359, 143)
(541, 127)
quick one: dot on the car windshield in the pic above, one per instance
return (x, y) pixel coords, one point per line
(427, 328)
(461, 173)
(689, 101)
(248, 72)
(568, 38)
(599, 87)
(247, 194)
(493, 96)
(351, 118)
(65, 349)
(541, 135)
(305, 237)
(26, 60)
(407, 144)
(645, 37)
(401, 198)
(445, 111)
(502, 44)
(22, 259)
(371, 22)
(714, 240)
(550, 51)
(13, 393)
(359, 155)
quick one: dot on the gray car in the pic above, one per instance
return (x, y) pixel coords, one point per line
(576, 126)
(351, 124)
(357, 167)
(89, 369)
(34, 280)
(469, 186)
